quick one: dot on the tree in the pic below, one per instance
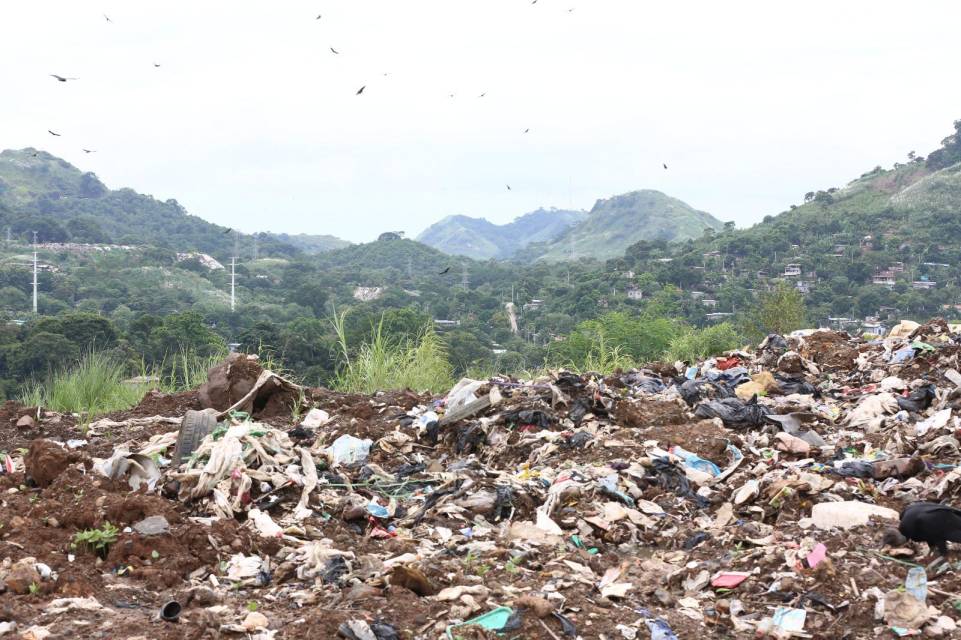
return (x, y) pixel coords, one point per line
(780, 311)
(185, 331)
(41, 353)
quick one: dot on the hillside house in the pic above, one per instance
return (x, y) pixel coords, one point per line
(709, 303)
(717, 316)
(924, 284)
(633, 293)
(792, 271)
(839, 250)
(803, 287)
(533, 305)
(896, 267)
(867, 243)
(884, 278)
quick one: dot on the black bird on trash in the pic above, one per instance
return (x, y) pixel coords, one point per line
(929, 522)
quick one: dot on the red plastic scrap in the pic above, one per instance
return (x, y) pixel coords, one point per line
(726, 363)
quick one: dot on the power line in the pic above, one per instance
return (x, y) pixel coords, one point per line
(233, 282)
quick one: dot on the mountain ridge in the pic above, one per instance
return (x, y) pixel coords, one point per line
(481, 239)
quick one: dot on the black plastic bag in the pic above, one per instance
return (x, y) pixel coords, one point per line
(734, 412)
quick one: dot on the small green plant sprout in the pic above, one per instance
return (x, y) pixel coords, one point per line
(96, 540)
(252, 605)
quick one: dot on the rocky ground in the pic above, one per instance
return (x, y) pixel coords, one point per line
(743, 497)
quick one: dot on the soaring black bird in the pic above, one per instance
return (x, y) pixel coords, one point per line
(318, 16)
(89, 150)
(508, 187)
(665, 166)
(53, 133)
(928, 522)
(335, 51)
(361, 90)
(155, 65)
(61, 78)
(107, 18)
(444, 271)
(229, 229)
(526, 130)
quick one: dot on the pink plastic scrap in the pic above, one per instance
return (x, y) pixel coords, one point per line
(819, 553)
(728, 579)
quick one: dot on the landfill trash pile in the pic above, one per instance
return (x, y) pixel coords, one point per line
(755, 494)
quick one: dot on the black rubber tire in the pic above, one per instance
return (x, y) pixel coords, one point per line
(193, 429)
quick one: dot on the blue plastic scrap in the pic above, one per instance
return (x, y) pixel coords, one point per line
(695, 461)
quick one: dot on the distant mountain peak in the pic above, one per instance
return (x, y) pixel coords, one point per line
(481, 239)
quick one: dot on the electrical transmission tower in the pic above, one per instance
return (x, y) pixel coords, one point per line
(233, 282)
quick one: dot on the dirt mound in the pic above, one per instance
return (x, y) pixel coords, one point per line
(156, 403)
(46, 460)
(233, 380)
(831, 350)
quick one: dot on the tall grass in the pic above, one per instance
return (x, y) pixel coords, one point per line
(91, 386)
(602, 357)
(183, 370)
(384, 363)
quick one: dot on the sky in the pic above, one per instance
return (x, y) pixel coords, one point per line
(251, 121)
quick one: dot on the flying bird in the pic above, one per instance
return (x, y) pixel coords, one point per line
(229, 229)
(89, 150)
(482, 95)
(53, 133)
(155, 65)
(61, 78)
(526, 130)
(444, 271)
(665, 166)
(335, 51)
(318, 16)
(508, 187)
(361, 90)
(107, 18)
(928, 522)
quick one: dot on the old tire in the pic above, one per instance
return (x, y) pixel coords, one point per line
(193, 429)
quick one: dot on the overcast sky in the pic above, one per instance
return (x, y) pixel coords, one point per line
(252, 122)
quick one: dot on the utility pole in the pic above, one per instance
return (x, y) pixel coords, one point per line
(233, 282)
(35, 272)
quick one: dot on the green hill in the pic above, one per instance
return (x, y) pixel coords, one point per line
(480, 239)
(40, 192)
(310, 244)
(886, 245)
(616, 223)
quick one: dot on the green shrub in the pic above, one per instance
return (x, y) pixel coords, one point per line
(697, 344)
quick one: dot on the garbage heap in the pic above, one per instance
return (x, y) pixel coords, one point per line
(743, 496)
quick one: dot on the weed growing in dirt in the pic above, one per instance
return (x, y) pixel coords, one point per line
(92, 386)
(382, 363)
(96, 540)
